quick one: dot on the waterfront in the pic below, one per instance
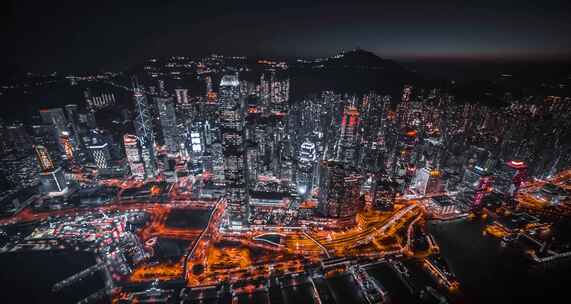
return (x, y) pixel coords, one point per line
(29, 276)
(490, 273)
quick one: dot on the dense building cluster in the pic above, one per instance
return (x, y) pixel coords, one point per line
(244, 134)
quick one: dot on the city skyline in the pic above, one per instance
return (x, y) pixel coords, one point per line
(429, 162)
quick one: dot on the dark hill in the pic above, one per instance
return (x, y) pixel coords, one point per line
(356, 71)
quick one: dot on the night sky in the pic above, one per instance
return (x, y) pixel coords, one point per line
(90, 35)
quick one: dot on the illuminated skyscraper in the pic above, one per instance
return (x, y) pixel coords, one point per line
(427, 181)
(54, 117)
(44, 159)
(197, 139)
(181, 96)
(52, 180)
(167, 118)
(279, 93)
(232, 122)
(347, 146)
(72, 112)
(384, 192)
(144, 131)
(100, 154)
(519, 177)
(306, 167)
(208, 82)
(339, 190)
(46, 135)
(134, 156)
(476, 184)
(65, 142)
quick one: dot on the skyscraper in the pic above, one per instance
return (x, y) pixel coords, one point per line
(347, 146)
(66, 144)
(54, 117)
(52, 179)
(72, 111)
(306, 167)
(133, 154)
(232, 122)
(339, 190)
(167, 119)
(144, 131)
(100, 154)
(44, 159)
(384, 192)
(181, 96)
(427, 181)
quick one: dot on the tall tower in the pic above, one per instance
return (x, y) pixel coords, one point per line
(232, 125)
(44, 159)
(306, 168)
(133, 154)
(167, 118)
(181, 96)
(338, 190)
(384, 192)
(348, 141)
(100, 154)
(519, 177)
(54, 117)
(68, 149)
(144, 131)
(208, 81)
(52, 179)
(427, 181)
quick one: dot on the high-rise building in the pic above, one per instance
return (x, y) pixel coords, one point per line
(384, 192)
(53, 182)
(232, 123)
(54, 117)
(72, 112)
(519, 177)
(100, 101)
(52, 179)
(427, 181)
(217, 151)
(208, 81)
(476, 184)
(279, 93)
(100, 154)
(339, 190)
(167, 119)
(47, 136)
(133, 154)
(347, 146)
(44, 159)
(66, 144)
(144, 131)
(306, 168)
(181, 96)
(197, 139)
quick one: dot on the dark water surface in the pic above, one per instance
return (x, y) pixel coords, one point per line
(490, 273)
(28, 277)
